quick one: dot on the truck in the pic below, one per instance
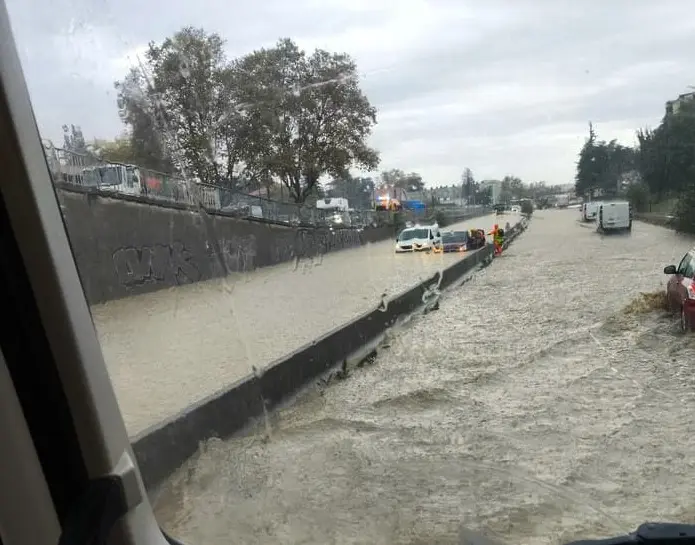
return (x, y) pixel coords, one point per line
(337, 211)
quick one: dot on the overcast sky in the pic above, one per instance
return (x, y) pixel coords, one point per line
(501, 86)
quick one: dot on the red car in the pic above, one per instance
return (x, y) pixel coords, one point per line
(680, 290)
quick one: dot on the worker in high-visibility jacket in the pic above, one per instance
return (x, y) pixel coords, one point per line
(497, 238)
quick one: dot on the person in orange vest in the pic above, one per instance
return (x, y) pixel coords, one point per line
(497, 239)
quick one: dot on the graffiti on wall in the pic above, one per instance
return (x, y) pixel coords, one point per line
(239, 254)
(161, 263)
(172, 264)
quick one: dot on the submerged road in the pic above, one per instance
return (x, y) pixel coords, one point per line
(545, 401)
(168, 349)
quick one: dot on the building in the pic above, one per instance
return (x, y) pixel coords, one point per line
(495, 185)
(672, 106)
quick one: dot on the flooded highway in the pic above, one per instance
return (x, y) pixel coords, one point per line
(168, 349)
(545, 401)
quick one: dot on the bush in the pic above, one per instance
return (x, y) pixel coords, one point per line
(398, 221)
(638, 195)
(685, 211)
(441, 219)
(527, 208)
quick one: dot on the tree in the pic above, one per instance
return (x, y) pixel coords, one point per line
(119, 150)
(395, 177)
(666, 156)
(666, 162)
(73, 140)
(304, 116)
(137, 110)
(358, 191)
(601, 165)
(468, 184)
(186, 97)
(513, 187)
(638, 195)
(685, 210)
(483, 196)
(527, 208)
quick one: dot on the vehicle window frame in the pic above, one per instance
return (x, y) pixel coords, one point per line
(682, 266)
(689, 270)
(54, 313)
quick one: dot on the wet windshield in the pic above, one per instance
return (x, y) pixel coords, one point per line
(289, 373)
(410, 234)
(454, 237)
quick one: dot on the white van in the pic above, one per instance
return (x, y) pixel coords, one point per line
(419, 238)
(614, 216)
(589, 211)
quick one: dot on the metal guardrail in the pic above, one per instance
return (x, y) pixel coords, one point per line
(118, 179)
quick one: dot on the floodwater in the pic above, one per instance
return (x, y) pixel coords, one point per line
(543, 402)
(169, 349)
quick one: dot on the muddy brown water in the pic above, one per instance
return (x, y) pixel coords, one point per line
(171, 348)
(539, 404)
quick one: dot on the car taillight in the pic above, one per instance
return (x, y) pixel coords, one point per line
(690, 291)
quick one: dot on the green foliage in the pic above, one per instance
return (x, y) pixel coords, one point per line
(685, 210)
(638, 195)
(512, 188)
(276, 114)
(397, 178)
(137, 110)
(469, 185)
(602, 165)
(527, 208)
(660, 167)
(305, 116)
(358, 191)
(441, 219)
(73, 140)
(119, 150)
(397, 219)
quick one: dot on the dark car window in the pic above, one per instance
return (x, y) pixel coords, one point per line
(454, 237)
(689, 268)
(686, 265)
(410, 234)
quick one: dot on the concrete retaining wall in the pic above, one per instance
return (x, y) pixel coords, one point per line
(163, 449)
(123, 247)
(129, 246)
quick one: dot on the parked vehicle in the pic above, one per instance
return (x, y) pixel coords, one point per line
(589, 211)
(614, 216)
(455, 241)
(419, 238)
(336, 210)
(680, 290)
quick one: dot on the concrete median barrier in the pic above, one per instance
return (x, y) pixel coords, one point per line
(163, 448)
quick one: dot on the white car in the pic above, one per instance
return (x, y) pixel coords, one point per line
(420, 238)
